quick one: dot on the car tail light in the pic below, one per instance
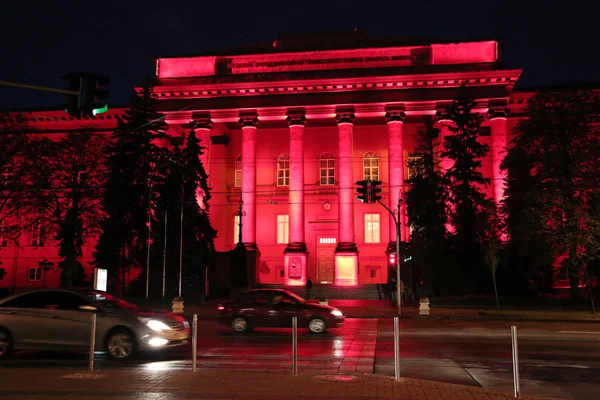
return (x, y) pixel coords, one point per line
(220, 307)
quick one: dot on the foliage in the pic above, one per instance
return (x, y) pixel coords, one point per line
(425, 201)
(471, 212)
(13, 172)
(64, 196)
(561, 140)
(133, 156)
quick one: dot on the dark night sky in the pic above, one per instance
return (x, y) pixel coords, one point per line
(555, 42)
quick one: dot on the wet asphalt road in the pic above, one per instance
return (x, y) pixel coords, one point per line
(556, 359)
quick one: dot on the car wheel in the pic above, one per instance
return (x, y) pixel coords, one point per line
(6, 343)
(317, 325)
(120, 344)
(240, 325)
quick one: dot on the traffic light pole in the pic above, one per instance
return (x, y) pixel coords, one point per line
(397, 223)
(40, 88)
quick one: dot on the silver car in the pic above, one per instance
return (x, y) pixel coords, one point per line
(61, 320)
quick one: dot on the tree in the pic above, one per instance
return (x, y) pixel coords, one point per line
(133, 155)
(425, 201)
(470, 208)
(529, 257)
(561, 139)
(198, 233)
(64, 194)
(13, 171)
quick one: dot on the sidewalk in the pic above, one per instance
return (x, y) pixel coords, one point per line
(127, 384)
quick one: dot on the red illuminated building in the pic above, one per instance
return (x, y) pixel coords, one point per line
(290, 131)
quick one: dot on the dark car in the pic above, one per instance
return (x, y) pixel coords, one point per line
(61, 320)
(275, 308)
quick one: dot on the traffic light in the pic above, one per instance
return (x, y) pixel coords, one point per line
(92, 94)
(362, 191)
(74, 80)
(392, 260)
(375, 191)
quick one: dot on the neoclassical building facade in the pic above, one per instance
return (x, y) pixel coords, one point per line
(288, 133)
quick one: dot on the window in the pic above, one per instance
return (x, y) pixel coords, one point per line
(36, 235)
(35, 274)
(372, 228)
(413, 167)
(371, 166)
(48, 300)
(283, 228)
(326, 240)
(283, 170)
(327, 169)
(238, 172)
(236, 229)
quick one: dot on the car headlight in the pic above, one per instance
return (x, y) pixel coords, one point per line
(336, 313)
(155, 325)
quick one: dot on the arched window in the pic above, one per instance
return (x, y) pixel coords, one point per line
(327, 169)
(238, 172)
(371, 166)
(283, 170)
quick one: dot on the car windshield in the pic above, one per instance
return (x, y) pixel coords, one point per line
(109, 301)
(295, 297)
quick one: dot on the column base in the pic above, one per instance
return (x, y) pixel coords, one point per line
(296, 247)
(294, 266)
(346, 268)
(346, 247)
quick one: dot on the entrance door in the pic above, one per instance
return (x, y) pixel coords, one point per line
(326, 259)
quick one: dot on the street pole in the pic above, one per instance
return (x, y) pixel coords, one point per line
(398, 282)
(164, 272)
(149, 237)
(397, 222)
(181, 232)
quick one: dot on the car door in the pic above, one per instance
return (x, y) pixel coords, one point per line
(286, 307)
(74, 315)
(32, 321)
(256, 308)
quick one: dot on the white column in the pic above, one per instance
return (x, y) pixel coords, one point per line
(346, 184)
(296, 194)
(396, 166)
(249, 126)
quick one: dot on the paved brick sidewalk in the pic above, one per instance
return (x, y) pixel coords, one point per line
(34, 384)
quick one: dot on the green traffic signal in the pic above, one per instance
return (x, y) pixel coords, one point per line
(362, 191)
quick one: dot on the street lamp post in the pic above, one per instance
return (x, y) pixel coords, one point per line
(240, 213)
(396, 215)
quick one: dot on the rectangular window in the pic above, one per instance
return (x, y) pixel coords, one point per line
(236, 229)
(238, 178)
(34, 274)
(327, 171)
(413, 169)
(283, 229)
(283, 171)
(36, 235)
(372, 228)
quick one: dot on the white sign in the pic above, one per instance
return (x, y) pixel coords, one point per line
(100, 279)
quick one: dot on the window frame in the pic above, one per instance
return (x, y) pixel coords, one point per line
(286, 225)
(372, 157)
(283, 165)
(237, 177)
(37, 278)
(370, 238)
(329, 178)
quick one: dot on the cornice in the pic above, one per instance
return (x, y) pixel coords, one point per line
(441, 80)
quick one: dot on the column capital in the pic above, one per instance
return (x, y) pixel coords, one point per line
(248, 120)
(395, 115)
(498, 112)
(201, 123)
(344, 116)
(296, 118)
(441, 115)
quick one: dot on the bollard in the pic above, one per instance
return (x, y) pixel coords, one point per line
(194, 341)
(397, 348)
(295, 345)
(92, 342)
(515, 360)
